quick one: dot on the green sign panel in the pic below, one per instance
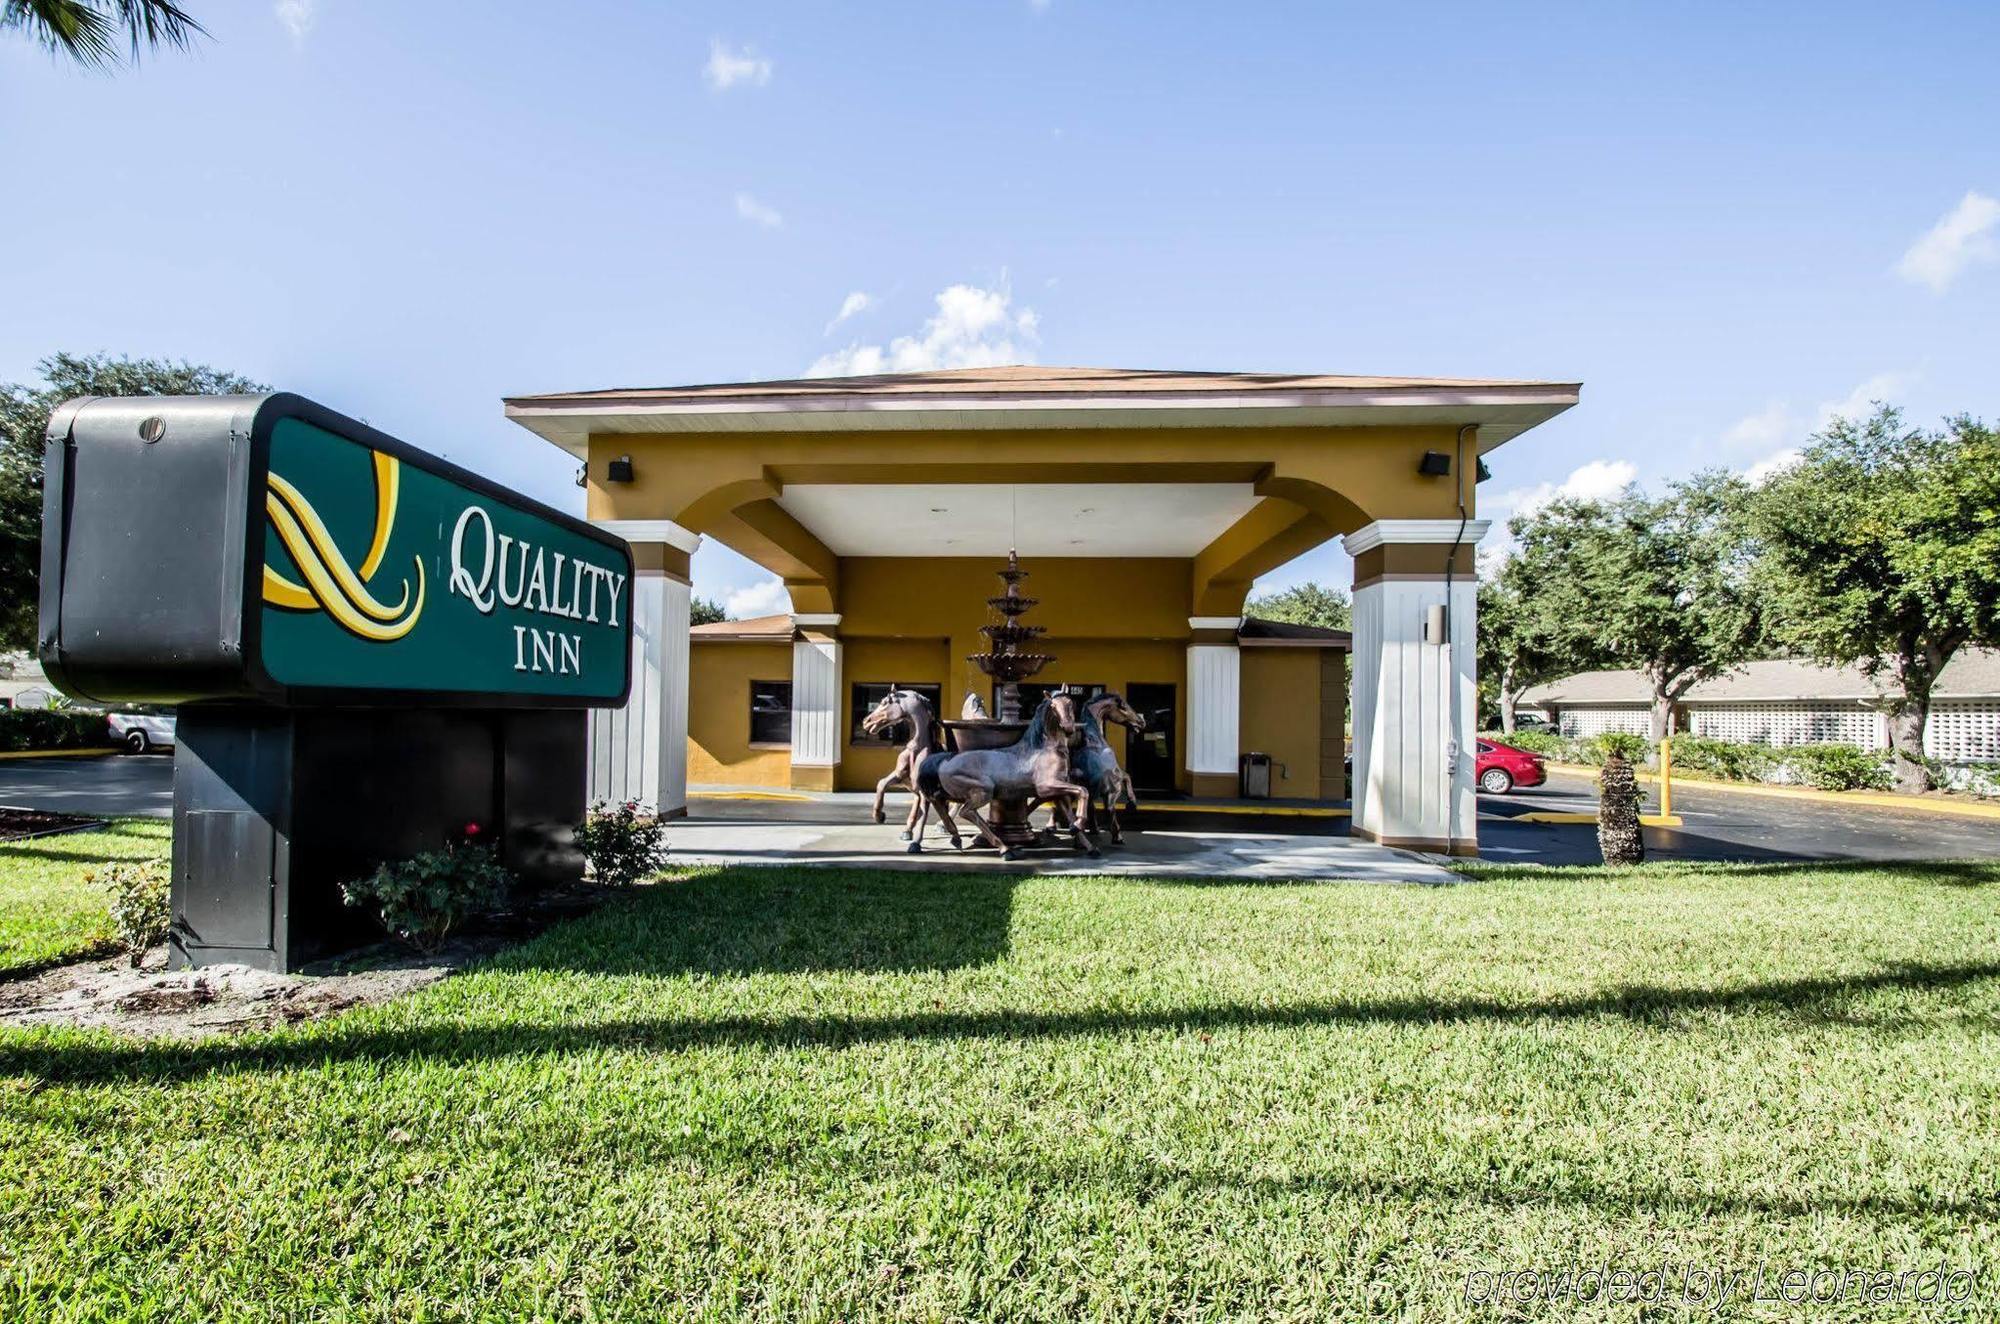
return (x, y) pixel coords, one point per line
(381, 574)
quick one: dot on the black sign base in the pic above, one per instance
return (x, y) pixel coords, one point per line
(274, 809)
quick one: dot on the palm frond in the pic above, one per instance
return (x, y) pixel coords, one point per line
(85, 30)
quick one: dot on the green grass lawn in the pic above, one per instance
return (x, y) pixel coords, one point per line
(48, 913)
(807, 1094)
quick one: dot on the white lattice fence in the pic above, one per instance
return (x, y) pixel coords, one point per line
(1964, 731)
(1582, 723)
(1801, 723)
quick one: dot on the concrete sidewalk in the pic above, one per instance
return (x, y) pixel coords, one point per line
(800, 828)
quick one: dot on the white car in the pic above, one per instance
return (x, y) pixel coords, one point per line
(142, 733)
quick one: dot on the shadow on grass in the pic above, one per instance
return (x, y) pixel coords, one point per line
(773, 919)
(1957, 873)
(54, 855)
(1818, 1001)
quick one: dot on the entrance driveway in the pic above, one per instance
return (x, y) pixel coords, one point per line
(1719, 825)
(1727, 825)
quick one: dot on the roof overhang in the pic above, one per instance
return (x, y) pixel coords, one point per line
(1501, 410)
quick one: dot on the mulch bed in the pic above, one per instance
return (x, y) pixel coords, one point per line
(18, 824)
(150, 1001)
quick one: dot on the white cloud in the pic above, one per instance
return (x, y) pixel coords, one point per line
(297, 17)
(1775, 429)
(973, 328)
(1761, 430)
(726, 68)
(758, 213)
(1599, 480)
(852, 306)
(764, 598)
(1962, 238)
(1771, 466)
(1882, 388)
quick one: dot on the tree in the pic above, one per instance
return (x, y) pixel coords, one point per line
(1513, 651)
(1882, 548)
(1662, 585)
(705, 611)
(87, 30)
(24, 425)
(1305, 604)
(1533, 623)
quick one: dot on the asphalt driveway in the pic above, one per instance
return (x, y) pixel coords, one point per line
(1727, 825)
(1718, 825)
(102, 787)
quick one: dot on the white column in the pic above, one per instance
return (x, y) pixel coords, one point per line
(1415, 703)
(639, 752)
(1214, 701)
(816, 705)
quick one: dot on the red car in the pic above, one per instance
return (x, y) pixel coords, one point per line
(1502, 767)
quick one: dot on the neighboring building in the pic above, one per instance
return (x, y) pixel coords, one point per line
(1143, 504)
(1785, 702)
(1291, 702)
(22, 684)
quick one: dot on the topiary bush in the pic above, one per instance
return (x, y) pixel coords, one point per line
(622, 844)
(422, 899)
(1618, 837)
(1626, 745)
(50, 728)
(140, 906)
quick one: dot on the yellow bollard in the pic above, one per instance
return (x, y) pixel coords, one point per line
(1665, 818)
(1666, 776)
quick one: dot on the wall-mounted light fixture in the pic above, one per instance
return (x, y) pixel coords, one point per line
(619, 470)
(1435, 464)
(1484, 472)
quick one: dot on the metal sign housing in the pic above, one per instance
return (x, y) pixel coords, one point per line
(270, 549)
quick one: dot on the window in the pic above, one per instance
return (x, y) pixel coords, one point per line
(863, 697)
(771, 712)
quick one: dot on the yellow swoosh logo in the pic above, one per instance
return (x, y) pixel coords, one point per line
(331, 583)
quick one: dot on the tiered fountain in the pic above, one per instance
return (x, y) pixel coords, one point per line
(1006, 663)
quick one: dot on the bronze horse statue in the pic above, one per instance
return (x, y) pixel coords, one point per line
(899, 708)
(1096, 766)
(1035, 767)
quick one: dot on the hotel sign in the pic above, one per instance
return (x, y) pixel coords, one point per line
(355, 568)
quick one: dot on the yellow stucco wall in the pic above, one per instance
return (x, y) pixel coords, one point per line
(1111, 622)
(719, 676)
(1281, 716)
(884, 662)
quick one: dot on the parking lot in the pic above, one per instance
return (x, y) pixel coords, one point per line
(1717, 824)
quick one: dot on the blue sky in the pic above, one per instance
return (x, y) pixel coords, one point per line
(1724, 220)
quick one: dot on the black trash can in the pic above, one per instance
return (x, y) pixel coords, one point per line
(1254, 776)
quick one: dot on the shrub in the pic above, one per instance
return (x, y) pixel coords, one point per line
(140, 908)
(622, 844)
(423, 898)
(1546, 743)
(50, 728)
(1838, 768)
(1982, 779)
(1730, 760)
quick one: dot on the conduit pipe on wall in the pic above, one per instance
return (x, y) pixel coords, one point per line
(1451, 749)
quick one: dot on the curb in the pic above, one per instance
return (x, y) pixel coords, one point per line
(55, 753)
(1869, 799)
